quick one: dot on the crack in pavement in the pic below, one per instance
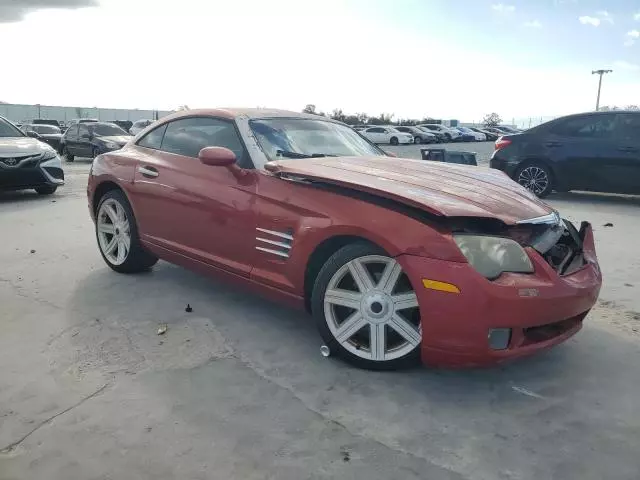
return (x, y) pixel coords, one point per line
(12, 446)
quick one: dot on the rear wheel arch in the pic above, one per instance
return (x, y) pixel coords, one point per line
(538, 160)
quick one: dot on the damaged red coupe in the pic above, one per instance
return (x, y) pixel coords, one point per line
(396, 259)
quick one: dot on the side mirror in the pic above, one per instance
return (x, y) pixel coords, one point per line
(32, 134)
(217, 156)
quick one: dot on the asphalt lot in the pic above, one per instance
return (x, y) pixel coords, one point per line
(237, 389)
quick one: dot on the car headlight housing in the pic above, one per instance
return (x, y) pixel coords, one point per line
(492, 256)
(112, 145)
(48, 154)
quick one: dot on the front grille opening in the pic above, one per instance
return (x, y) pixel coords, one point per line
(549, 331)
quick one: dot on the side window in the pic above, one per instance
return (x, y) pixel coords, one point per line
(83, 130)
(593, 126)
(153, 139)
(376, 130)
(628, 127)
(71, 131)
(190, 135)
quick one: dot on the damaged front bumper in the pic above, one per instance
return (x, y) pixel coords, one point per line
(487, 321)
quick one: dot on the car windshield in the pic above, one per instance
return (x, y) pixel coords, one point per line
(106, 130)
(8, 130)
(45, 129)
(303, 138)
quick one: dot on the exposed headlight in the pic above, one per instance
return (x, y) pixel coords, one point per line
(491, 256)
(48, 154)
(112, 145)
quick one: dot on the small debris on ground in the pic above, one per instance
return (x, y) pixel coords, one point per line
(32, 251)
(53, 201)
(628, 285)
(162, 329)
(346, 456)
(188, 309)
(608, 224)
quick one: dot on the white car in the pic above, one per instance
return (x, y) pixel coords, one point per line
(386, 135)
(139, 125)
(449, 133)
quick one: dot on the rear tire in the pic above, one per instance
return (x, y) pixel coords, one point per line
(94, 153)
(394, 141)
(535, 177)
(114, 222)
(46, 189)
(380, 305)
(67, 156)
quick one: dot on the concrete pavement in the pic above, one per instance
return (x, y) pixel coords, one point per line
(237, 388)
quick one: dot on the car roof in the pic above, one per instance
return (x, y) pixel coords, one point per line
(251, 113)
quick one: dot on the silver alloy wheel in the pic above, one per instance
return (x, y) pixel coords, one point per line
(534, 178)
(114, 234)
(373, 315)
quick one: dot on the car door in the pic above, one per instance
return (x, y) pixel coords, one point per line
(578, 147)
(83, 143)
(71, 139)
(202, 212)
(372, 134)
(622, 170)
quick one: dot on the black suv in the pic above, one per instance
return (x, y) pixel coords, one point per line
(597, 151)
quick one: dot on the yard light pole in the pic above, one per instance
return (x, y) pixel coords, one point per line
(599, 72)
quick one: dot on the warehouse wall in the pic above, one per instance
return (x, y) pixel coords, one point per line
(22, 113)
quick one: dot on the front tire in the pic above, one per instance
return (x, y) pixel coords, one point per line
(394, 141)
(366, 309)
(117, 235)
(417, 140)
(65, 153)
(94, 152)
(46, 189)
(535, 177)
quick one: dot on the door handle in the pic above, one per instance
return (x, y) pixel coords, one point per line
(628, 149)
(553, 144)
(148, 172)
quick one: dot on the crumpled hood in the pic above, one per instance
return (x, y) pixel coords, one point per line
(440, 188)
(119, 139)
(21, 146)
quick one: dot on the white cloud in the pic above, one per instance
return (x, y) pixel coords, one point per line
(605, 16)
(623, 65)
(533, 24)
(631, 38)
(587, 20)
(503, 8)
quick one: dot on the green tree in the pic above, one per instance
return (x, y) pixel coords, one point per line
(310, 108)
(338, 114)
(492, 120)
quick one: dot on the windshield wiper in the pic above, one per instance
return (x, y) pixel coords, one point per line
(289, 154)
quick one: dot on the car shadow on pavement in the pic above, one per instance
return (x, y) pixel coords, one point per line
(24, 196)
(286, 340)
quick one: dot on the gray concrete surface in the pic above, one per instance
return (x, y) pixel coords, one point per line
(237, 389)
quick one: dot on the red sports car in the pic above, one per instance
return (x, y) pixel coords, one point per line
(396, 259)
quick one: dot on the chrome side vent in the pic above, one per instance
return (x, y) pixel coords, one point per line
(279, 244)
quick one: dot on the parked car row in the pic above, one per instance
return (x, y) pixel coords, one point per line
(430, 133)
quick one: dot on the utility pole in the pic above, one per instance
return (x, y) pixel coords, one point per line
(599, 72)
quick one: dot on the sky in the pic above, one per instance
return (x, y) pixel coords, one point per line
(445, 59)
